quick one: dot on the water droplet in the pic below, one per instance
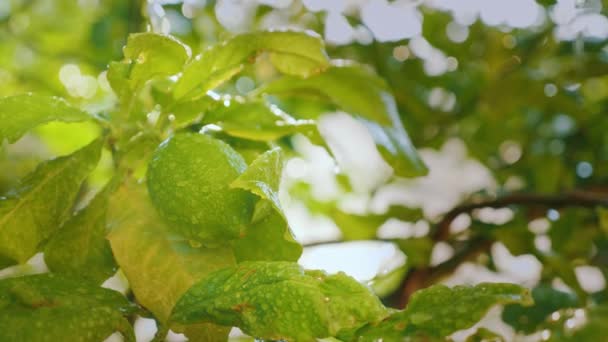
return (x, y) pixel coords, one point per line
(141, 58)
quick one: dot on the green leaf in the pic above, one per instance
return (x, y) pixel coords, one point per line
(80, 247)
(192, 112)
(21, 113)
(360, 92)
(267, 239)
(439, 311)
(269, 236)
(253, 295)
(148, 55)
(257, 121)
(351, 87)
(160, 267)
(221, 62)
(49, 307)
(263, 177)
(529, 319)
(42, 202)
(189, 181)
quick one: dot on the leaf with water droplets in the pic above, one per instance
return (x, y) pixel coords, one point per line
(147, 55)
(42, 202)
(257, 121)
(360, 92)
(310, 304)
(50, 307)
(263, 177)
(160, 266)
(155, 54)
(21, 113)
(80, 247)
(439, 311)
(269, 236)
(294, 53)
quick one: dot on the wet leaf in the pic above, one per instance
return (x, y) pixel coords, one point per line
(269, 238)
(252, 295)
(49, 307)
(257, 121)
(439, 311)
(263, 177)
(148, 55)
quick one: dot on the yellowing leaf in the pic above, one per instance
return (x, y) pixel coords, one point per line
(160, 267)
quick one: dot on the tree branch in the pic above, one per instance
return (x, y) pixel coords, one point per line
(572, 199)
(421, 277)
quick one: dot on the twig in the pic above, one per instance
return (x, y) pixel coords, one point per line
(421, 277)
(573, 199)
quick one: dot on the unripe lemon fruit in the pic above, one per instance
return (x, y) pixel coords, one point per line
(189, 180)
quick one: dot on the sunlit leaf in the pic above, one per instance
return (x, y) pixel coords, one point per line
(222, 61)
(252, 295)
(149, 55)
(21, 113)
(257, 121)
(50, 307)
(43, 201)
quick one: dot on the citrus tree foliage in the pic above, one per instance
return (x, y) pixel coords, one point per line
(201, 219)
(132, 151)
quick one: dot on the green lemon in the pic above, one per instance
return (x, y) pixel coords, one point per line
(189, 180)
